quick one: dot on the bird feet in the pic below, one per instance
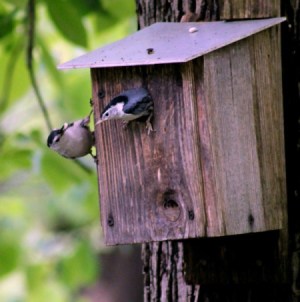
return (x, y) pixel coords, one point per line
(86, 121)
(148, 124)
(149, 127)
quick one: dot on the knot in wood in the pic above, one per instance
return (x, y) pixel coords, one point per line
(191, 215)
(110, 221)
(251, 220)
(101, 94)
(171, 208)
(170, 204)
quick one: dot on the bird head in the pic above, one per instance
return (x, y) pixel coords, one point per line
(55, 135)
(114, 110)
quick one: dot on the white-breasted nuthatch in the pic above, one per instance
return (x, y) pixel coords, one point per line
(131, 104)
(73, 140)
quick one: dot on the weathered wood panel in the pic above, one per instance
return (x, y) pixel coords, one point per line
(210, 10)
(242, 155)
(269, 121)
(230, 119)
(249, 183)
(150, 186)
(248, 9)
(214, 165)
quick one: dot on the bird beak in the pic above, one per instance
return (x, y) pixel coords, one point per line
(64, 127)
(99, 122)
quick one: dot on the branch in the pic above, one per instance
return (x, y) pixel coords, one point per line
(29, 61)
(30, 46)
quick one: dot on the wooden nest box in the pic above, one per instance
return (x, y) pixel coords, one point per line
(215, 164)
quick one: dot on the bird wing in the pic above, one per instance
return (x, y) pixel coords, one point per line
(138, 101)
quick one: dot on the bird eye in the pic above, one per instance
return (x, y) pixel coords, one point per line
(106, 114)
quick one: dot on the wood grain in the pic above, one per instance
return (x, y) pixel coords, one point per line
(221, 261)
(243, 103)
(150, 185)
(150, 11)
(248, 9)
(269, 122)
(214, 165)
(228, 91)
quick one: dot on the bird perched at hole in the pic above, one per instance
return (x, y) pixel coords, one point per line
(131, 104)
(73, 140)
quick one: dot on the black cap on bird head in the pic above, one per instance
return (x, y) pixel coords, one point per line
(55, 135)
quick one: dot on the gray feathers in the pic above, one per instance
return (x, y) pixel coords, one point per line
(129, 105)
(72, 140)
(138, 102)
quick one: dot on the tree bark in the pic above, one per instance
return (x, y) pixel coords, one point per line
(163, 273)
(164, 261)
(234, 269)
(291, 95)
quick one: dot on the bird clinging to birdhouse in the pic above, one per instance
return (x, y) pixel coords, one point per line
(73, 140)
(132, 104)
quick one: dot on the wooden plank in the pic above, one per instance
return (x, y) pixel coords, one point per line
(150, 186)
(269, 120)
(113, 178)
(215, 164)
(249, 9)
(228, 91)
(248, 184)
(214, 225)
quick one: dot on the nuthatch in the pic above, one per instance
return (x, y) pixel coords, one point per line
(73, 140)
(132, 104)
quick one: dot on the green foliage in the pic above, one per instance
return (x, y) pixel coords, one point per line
(78, 268)
(14, 72)
(68, 21)
(49, 205)
(7, 23)
(16, 152)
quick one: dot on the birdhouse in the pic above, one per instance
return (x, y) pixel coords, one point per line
(214, 164)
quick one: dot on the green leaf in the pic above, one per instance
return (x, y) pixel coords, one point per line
(48, 290)
(12, 73)
(120, 9)
(12, 208)
(21, 159)
(49, 62)
(87, 6)
(11, 232)
(7, 23)
(68, 21)
(77, 99)
(79, 268)
(109, 14)
(10, 254)
(18, 3)
(60, 172)
(36, 274)
(16, 154)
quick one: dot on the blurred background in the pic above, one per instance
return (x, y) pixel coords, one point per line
(51, 245)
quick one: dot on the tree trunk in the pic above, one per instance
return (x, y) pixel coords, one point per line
(251, 267)
(163, 273)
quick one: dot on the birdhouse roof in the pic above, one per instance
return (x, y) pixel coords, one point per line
(164, 43)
